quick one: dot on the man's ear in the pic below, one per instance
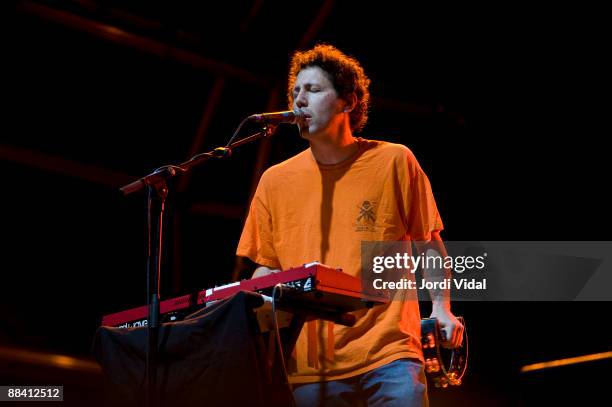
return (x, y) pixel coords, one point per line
(351, 102)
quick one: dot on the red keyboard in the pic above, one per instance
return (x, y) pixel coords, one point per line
(315, 287)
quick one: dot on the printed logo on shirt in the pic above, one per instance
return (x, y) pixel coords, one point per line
(366, 218)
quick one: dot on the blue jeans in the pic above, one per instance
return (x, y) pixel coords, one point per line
(399, 383)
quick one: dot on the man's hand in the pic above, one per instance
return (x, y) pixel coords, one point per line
(264, 271)
(450, 326)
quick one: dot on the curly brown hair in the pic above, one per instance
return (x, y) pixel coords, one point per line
(346, 75)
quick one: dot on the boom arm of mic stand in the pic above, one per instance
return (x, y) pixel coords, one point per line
(164, 173)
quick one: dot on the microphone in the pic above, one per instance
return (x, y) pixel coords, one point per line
(287, 116)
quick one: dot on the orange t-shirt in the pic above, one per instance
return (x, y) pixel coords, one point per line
(304, 211)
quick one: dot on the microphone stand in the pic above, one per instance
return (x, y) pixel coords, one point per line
(157, 188)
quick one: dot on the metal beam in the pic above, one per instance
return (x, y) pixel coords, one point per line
(44, 359)
(261, 162)
(255, 9)
(60, 165)
(417, 109)
(317, 23)
(200, 134)
(125, 38)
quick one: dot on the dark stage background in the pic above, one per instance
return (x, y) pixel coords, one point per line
(502, 106)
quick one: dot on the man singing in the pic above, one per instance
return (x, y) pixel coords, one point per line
(319, 206)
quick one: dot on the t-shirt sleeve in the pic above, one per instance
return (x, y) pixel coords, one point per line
(257, 238)
(422, 217)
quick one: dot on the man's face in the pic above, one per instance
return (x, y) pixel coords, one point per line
(314, 95)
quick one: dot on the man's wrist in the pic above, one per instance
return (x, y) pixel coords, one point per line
(441, 306)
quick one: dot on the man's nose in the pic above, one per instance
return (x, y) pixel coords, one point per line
(300, 100)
